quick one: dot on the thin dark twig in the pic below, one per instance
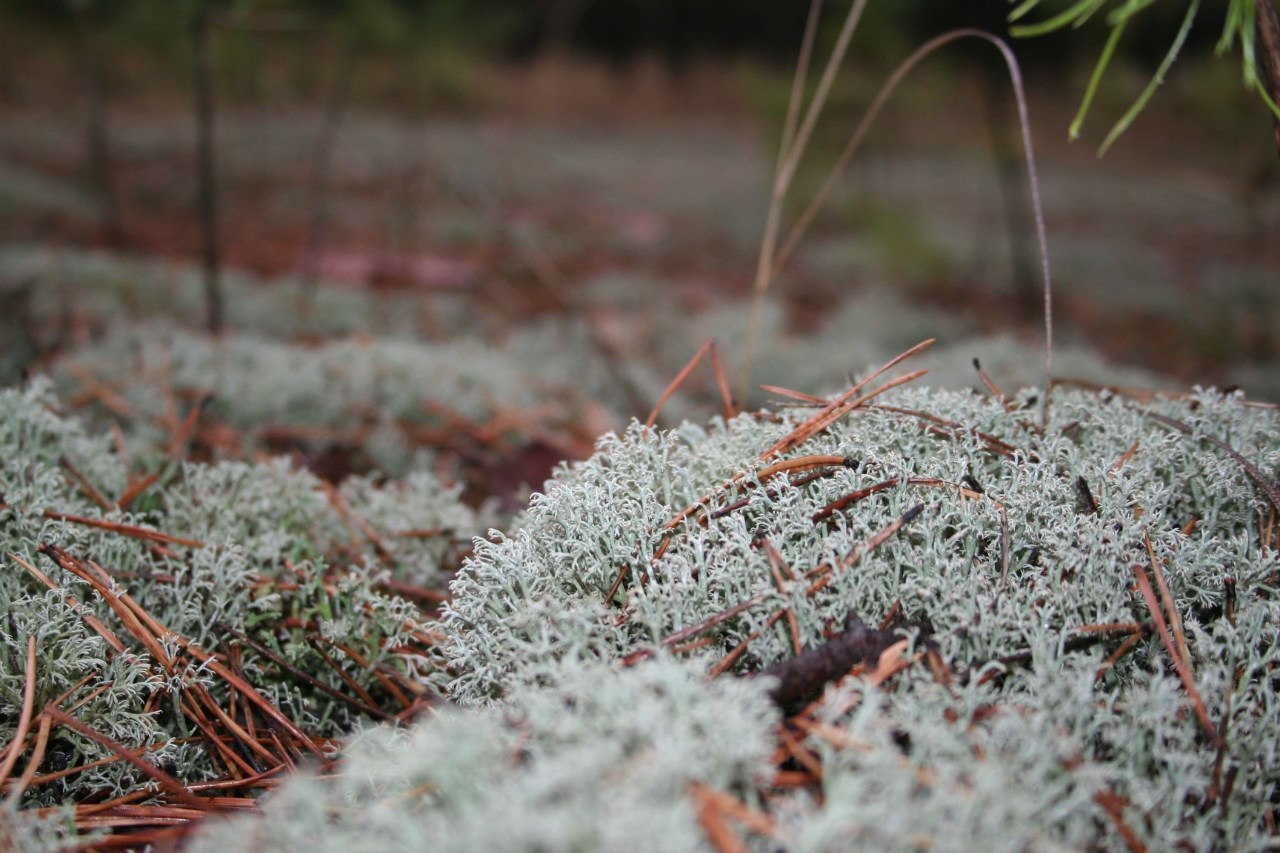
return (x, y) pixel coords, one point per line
(1264, 482)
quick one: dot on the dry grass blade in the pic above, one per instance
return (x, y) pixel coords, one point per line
(794, 142)
(1024, 126)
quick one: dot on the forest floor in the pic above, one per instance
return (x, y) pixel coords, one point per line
(479, 292)
(1165, 252)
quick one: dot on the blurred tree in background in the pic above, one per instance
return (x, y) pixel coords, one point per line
(619, 30)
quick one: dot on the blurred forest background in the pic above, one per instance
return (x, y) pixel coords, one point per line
(607, 158)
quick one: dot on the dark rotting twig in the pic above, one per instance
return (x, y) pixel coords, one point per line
(1086, 496)
(802, 678)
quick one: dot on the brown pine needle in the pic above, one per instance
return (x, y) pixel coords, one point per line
(825, 573)
(236, 766)
(848, 401)
(188, 426)
(1175, 621)
(834, 735)
(86, 488)
(834, 410)
(777, 566)
(992, 387)
(1264, 482)
(953, 429)
(164, 780)
(24, 718)
(711, 621)
(125, 529)
(365, 698)
(719, 835)
(754, 820)
(1149, 596)
(1114, 805)
(33, 764)
(136, 488)
(709, 346)
(92, 621)
(148, 640)
(45, 778)
(1119, 463)
(844, 501)
(133, 616)
(802, 756)
(361, 660)
(1122, 650)
(722, 382)
(740, 649)
(794, 395)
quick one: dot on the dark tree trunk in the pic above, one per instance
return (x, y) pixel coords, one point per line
(97, 128)
(206, 193)
(321, 172)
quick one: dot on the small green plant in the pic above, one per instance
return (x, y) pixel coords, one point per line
(1240, 29)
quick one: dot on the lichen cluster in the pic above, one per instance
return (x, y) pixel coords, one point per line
(215, 556)
(1088, 610)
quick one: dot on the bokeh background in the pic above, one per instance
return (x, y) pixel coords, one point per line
(566, 199)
